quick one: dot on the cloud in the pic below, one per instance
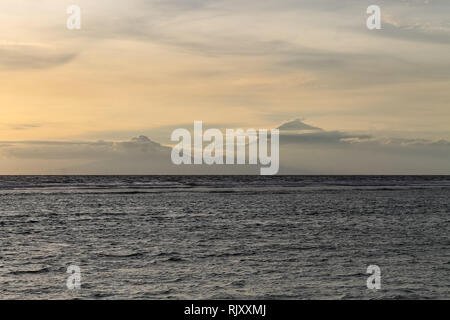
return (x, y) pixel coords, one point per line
(24, 126)
(140, 146)
(362, 69)
(298, 132)
(326, 137)
(24, 57)
(179, 24)
(180, 5)
(139, 155)
(297, 125)
(336, 152)
(415, 33)
(315, 151)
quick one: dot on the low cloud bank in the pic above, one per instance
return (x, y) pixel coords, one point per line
(304, 149)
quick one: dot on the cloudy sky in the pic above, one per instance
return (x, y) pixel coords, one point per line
(145, 67)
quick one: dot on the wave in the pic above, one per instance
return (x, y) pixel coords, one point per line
(31, 271)
(120, 255)
(187, 182)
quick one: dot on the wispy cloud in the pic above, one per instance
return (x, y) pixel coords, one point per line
(23, 126)
(416, 33)
(24, 57)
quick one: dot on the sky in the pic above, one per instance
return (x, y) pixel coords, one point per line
(143, 68)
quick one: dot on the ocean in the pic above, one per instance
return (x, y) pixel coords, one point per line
(224, 237)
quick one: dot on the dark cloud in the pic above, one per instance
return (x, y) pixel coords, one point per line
(298, 132)
(334, 152)
(297, 125)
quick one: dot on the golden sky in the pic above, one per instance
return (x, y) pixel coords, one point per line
(136, 66)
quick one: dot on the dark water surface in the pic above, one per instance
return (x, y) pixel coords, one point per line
(288, 237)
